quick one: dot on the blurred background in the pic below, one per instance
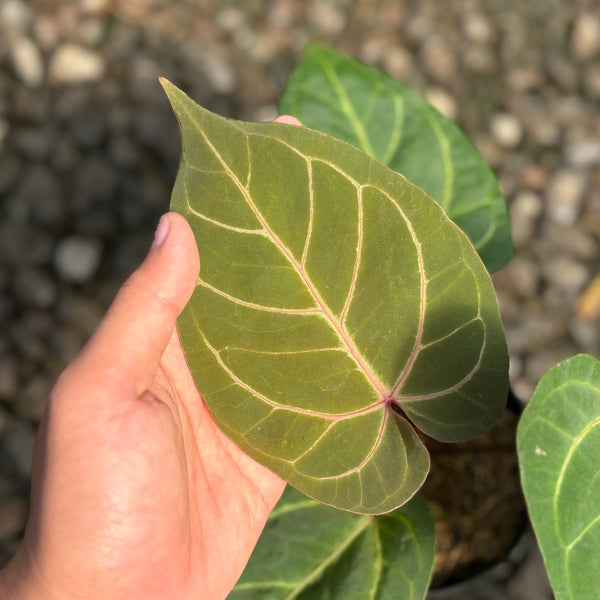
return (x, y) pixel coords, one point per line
(89, 151)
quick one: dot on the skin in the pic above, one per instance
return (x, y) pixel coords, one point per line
(136, 493)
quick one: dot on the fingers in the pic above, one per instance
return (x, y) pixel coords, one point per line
(287, 120)
(127, 348)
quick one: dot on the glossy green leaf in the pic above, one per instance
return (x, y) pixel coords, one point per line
(393, 123)
(309, 551)
(559, 454)
(334, 300)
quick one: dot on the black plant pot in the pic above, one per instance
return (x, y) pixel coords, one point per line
(475, 494)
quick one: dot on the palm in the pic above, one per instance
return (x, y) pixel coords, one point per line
(160, 502)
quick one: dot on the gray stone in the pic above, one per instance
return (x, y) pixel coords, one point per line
(566, 274)
(439, 60)
(18, 441)
(33, 399)
(525, 212)
(524, 275)
(13, 516)
(583, 153)
(565, 195)
(33, 142)
(9, 378)
(76, 258)
(34, 288)
(72, 64)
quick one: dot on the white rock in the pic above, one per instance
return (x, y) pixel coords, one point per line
(27, 62)
(442, 100)
(76, 258)
(506, 129)
(75, 64)
(585, 40)
(565, 194)
(14, 15)
(525, 211)
(478, 28)
(94, 7)
(326, 17)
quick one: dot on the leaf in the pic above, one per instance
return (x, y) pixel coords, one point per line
(394, 124)
(312, 552)
(558, 443)
(335, 301)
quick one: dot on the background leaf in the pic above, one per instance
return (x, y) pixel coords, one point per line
(393, 123)
(559, 446)
(312, 552)
(331, 291)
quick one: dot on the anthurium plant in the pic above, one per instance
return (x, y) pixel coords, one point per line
(343, 311)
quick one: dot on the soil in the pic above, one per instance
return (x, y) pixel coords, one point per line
(474, 493)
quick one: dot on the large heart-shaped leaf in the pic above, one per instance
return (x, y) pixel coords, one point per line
(559, 450)
(337, 306)
(312, 552)
(393, 123)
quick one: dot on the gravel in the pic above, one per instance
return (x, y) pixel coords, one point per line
(89, 150)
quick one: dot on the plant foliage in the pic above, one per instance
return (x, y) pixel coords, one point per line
(396, 125)
(337, 308)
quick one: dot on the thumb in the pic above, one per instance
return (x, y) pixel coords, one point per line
(127, 348)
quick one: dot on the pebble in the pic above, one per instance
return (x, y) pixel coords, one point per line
(442, 101)
(524, 275)
(478, 28)
(9, 378)
(525, 211)
(4, 129)
(585, 38)
(72, 64)
(76, 258)
(584, 153)
(506, 129)
(14, 16)
(13, 516)
(565, 196)
(18, 441)
(439, 60)
(326, 18)
(566, 274)
(27, 62)
(34, 288)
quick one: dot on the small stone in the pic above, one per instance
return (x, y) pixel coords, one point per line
(591, 81)
(584, 153)
(13, 516)
(326, 17)
(442, 101)
(14, 15)
(585, 38)
(479, 60)
(506, 129)
(27, 62)
(524, 276)
(478, 28)
(18, 441)
(33, 399)
(72, 64)
(77, 258)
(439, 60)
(566, 274)
(4, 129)
(33, 142)
(565, 194)
(563, 71)
(9, 378)
(525, 79)
(398, 62)
(94, 7)
(35, 288)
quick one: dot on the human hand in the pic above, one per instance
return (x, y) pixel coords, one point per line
(136, 493)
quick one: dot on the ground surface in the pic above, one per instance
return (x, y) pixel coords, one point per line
(89, 150)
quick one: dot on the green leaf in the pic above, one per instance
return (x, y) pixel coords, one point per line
(394, 124)
(335, 300)
(312, 552)
(558, 442)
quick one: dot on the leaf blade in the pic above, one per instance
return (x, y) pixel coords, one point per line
(258, 323)
(558, 441)
(309, 551)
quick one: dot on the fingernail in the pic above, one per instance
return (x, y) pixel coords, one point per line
(162, 230)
